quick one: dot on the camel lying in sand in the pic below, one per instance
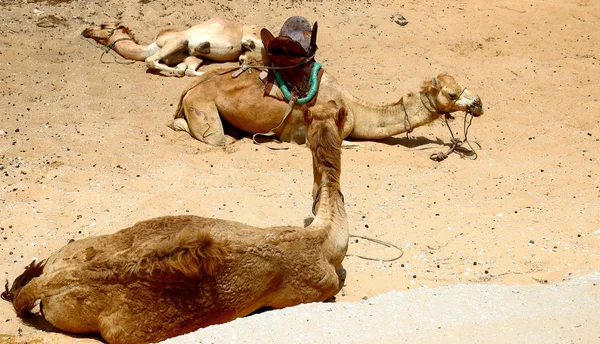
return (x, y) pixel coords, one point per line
(217, 39)
(241, 102)
(171, 275)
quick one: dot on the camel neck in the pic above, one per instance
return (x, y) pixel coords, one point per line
(331, 214)
(331, 217)
(125, 46)
(380, 121)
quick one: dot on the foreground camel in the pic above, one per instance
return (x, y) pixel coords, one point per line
(171, 275)
(242, 103)
(217, 39)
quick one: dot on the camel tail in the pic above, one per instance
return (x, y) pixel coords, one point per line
(23, 300)
(192, 252)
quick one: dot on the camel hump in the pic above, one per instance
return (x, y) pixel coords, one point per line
(192, 252)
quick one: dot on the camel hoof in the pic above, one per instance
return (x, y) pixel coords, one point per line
(350, 145)
(190, 72)
(179, 124)
(179, 71)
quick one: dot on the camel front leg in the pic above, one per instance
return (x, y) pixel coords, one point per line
(204, 123)
(173, 46)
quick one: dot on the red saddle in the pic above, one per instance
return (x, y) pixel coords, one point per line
(293, 51)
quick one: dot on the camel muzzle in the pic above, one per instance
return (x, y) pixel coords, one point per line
(476, 108)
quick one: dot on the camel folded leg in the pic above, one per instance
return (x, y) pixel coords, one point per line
(203, 122)
(174, 46)
(115, 328)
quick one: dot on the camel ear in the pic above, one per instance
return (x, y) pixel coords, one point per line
(341, 112)
(435, 82)
(341, 116)
(307, 117)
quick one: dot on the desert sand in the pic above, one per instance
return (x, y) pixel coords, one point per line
(85, 150)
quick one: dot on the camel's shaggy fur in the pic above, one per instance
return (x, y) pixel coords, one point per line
(217, 39)
(241, 101)
(171, 275)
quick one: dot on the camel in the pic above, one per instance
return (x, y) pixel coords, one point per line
(241, 101)
(217, 39)
(171, 275)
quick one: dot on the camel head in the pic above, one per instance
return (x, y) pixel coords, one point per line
(444, 95)
(324, 125)
(106, 33)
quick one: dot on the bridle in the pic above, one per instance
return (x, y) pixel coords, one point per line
(456, 142)
(106, 49)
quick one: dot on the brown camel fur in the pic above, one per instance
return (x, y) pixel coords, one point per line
(242, 103)
(171, 275)
(217, 39)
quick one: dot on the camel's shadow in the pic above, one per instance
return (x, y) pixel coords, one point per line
(406, 142)
(411, 142)
(37, 321)
(421, 143)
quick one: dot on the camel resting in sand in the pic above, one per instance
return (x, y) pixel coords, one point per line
(241, 101)
(217, 39)
(171, 275)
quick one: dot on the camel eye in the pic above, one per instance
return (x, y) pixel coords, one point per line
(452, 96)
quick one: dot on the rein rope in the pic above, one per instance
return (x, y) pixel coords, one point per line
(377, 241)
(107, 49)
(380, 242)
(456, 143)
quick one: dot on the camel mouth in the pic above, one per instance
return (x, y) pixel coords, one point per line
(87, 33)
(476, 112)
(476, 109)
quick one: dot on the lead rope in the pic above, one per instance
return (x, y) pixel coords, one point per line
(272, 132)
(406, 121)
(456, 143)
(380, 242)
(377, 241)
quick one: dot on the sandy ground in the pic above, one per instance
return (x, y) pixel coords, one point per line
(84, 147)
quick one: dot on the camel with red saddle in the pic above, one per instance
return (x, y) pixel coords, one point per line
(217, 39)
(273, 103)
(242, 102)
